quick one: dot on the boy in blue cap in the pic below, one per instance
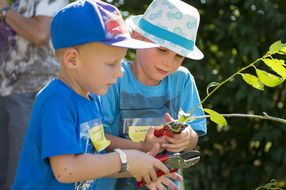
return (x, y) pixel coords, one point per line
(65, 141)
(155, 83)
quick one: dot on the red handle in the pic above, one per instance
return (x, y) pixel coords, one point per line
(159, 174)
(163, 131)
(163, 158)
(159, 132)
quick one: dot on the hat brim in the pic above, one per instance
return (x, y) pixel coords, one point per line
(132, 22)
(133, 44)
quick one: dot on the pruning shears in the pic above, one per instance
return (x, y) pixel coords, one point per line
(176, 161)
(170, 128)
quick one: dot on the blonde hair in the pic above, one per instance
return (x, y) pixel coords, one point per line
(59, 53)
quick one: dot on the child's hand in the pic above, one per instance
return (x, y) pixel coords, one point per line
(151, 139)
(179, 142)
(143, 166)
(164, 181)
(187, 139)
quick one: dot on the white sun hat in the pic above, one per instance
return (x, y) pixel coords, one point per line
(172, 24)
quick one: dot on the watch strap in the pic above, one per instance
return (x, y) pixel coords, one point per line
(123, 158)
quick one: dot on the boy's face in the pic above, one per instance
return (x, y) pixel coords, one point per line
(98, 67)
(154, 64)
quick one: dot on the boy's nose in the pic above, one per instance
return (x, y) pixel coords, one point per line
(167, 61)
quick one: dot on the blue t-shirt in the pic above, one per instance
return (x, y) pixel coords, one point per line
(59, 125)
(131, 103)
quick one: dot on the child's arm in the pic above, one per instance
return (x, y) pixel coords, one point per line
(72, 168)
(118, 142)
(151, 139)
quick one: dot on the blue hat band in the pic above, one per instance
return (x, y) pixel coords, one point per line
(165, 34)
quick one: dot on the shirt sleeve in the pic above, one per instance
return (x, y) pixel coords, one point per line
(49, 8)
(58, 130)
(191, 101)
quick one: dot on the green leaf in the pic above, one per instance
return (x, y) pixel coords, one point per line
(276, 47)
(253, 81)
(282, 51)
(277, 66)
(216, 117)
(212, 84)
(184, 117)
(268, 79)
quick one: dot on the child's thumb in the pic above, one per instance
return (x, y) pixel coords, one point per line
(168, 118)
(155, 150)
(151, 131)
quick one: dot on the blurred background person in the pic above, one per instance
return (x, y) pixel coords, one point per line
(26, 65)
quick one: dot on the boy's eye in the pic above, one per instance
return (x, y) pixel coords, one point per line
(162, 49)
(179, 56)
(112, 64)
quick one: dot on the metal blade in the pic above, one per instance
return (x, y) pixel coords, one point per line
(190, 154)
(183, 160)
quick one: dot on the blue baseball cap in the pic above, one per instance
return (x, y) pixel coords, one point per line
(86, 21)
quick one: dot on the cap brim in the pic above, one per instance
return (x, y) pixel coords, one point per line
(133, 43)
(132, 22)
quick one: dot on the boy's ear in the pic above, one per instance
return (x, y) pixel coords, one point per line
(71, 57)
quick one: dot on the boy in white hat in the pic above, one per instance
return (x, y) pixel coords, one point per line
(155, 83)
(64, 145)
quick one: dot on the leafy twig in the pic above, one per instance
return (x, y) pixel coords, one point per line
(265, 116)
(273, 185)
(262, 79)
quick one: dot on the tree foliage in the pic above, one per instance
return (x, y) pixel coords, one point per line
(233, 33)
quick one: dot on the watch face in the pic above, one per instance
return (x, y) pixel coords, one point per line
(123, 167)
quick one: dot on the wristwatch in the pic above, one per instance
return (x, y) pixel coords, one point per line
(3, 12)
(123, 158)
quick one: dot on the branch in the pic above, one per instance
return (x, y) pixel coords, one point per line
(264, 117)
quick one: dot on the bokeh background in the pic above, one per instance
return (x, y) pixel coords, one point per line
(233, 33)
